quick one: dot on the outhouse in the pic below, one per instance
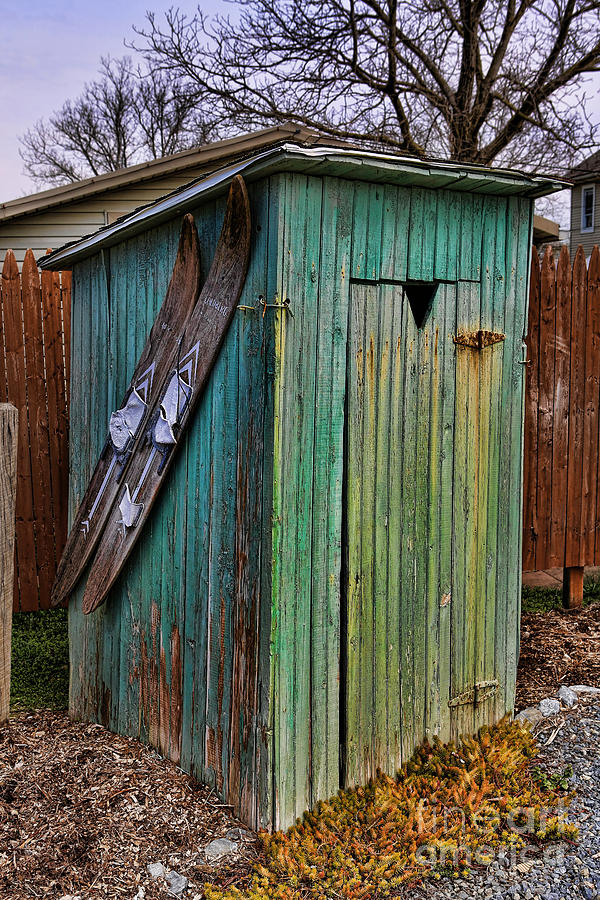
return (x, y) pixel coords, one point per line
(332, 571)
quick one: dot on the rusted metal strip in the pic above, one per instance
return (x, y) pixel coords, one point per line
(481, 691)
(478, 340)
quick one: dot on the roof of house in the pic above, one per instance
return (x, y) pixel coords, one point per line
(545, 229)
(210, 155)
(589, 168)
(345, 162)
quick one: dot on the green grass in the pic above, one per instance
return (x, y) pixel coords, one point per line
(544, 599)
(40, 660)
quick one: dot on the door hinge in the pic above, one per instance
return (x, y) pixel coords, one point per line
(478, 339)
(483, 690)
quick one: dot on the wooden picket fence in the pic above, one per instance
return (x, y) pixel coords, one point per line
(561, 522)
(35, 316)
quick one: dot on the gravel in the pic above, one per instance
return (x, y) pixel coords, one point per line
(555, 871)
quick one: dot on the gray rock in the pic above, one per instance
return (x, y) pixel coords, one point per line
(549, 707)
(156, 870)
(221, 847)
(567, 696)
(240, 834)
(531, 715)
(585, 689)
(177, 883)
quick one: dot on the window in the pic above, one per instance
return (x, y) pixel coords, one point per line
(588, 197)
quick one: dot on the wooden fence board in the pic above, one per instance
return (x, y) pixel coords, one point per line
(561, 521)
(39, 443)
(532, 398)
(34, 353)
(8, 473)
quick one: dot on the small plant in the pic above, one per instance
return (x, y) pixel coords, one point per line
(449, 808)
(40, 660)
(554, 781)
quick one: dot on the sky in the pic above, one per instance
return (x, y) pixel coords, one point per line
(48, 50)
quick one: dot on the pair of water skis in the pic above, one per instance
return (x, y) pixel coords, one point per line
(168, 381)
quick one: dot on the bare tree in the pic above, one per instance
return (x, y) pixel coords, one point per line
(475, 80)
(128, 115)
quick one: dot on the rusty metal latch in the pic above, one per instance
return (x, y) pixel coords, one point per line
(483, 690)
(478, 340)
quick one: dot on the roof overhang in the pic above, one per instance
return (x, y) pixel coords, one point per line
(353, 164)
(208, 156)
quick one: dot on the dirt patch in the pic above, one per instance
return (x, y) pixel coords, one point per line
(557, 647)
(83, 812)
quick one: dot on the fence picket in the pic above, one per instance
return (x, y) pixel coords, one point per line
(37, 404)
(33, 316)
(561, 521)
(530, 473)
(26, 565)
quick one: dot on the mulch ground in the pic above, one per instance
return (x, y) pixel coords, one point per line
(83, 811)
(558, 647)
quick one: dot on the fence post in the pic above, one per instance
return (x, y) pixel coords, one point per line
(572, 587)
(8, 488)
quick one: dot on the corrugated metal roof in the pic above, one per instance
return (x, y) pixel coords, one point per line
(343, 162)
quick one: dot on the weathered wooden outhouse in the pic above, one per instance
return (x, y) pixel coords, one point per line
(332, 572)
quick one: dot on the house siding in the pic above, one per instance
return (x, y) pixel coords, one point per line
(72, 221)
(588, 238)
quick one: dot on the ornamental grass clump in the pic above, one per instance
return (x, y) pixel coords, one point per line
(449, 808)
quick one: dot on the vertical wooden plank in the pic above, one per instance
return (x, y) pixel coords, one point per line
(532, 397)
(381, 368)
(518, 249)
(8, 493)
(560, 442)
(422, 229)
(82, 629)
(493, 295)
(366, 231)
(470, 238)
(593, 515)
(268, 746)
(107, 619)
(466, 495)
(244, 732)
(196, 563)
(41, 473)
(545, 475)
(222, 555)
(58, 421)
(26, 585)
(394, 232)
(577, 414)
(572, 593)
(408, 574)
(591, 404)
(359, 673)
(65, 292)
(424, 416)
(3, 384)
(334, 288)
(294, 443)
(447, 235)
(393, 298)
(448, 370)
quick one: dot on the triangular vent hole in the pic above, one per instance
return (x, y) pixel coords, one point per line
(420, 296)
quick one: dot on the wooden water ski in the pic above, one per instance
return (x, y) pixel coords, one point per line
(174, 403)
(129, 421)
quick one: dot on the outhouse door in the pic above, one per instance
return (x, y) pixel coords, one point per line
(421, 434)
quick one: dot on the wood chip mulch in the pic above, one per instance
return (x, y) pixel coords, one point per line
(83, 811)
(557, 647)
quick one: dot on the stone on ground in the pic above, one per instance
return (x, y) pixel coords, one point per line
(218, 848)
